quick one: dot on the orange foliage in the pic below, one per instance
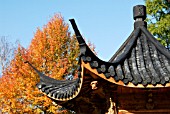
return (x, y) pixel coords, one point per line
(53, 51)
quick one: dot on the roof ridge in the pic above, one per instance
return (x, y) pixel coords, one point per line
(156, 43)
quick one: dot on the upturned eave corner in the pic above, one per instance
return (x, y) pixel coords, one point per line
(59, 90)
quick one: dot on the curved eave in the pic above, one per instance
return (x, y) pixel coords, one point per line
(63, 92)
(111, 79)
(65, 96)
(60, 90)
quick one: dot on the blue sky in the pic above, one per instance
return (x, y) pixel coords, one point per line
(106, 23)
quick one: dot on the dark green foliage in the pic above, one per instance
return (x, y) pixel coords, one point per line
(158, 19)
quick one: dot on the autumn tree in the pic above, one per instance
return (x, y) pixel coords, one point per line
(159, 20)
(54, 52)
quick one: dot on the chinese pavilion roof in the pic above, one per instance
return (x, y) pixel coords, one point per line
(141, 62)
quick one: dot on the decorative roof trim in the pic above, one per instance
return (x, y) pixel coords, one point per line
(130, 84)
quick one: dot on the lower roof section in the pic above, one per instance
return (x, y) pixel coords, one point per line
(119, 82)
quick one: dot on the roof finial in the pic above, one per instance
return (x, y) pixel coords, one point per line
(139, 12)
(139, 15)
